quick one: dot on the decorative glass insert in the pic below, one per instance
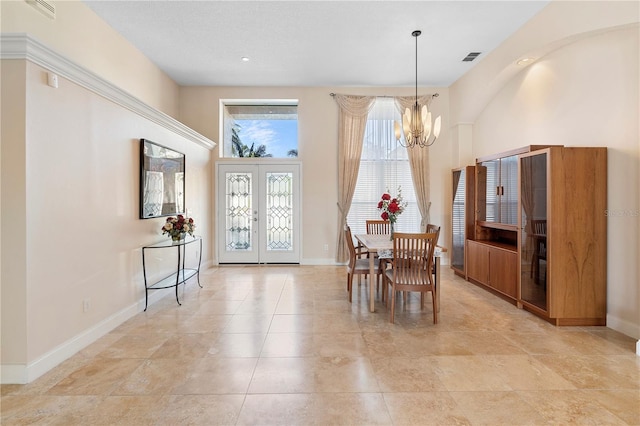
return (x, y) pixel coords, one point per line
(239, 222)
(279, 211)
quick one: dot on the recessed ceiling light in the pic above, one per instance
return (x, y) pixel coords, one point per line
(525, 61)
(245, 59)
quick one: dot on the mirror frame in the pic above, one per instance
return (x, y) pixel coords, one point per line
(162, 181)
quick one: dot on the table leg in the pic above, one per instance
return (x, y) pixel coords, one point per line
(437, 280)
(372, 274)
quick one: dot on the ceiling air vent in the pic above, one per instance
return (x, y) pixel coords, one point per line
(471, 56)
(45, 7)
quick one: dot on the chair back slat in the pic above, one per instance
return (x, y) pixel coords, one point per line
(378, 227)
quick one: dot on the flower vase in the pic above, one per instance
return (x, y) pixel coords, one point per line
(178, 237)
(392, 229)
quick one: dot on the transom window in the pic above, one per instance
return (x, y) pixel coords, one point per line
(264, 128)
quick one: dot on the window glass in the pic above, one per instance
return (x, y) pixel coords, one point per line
(384, 166)
(260, 129)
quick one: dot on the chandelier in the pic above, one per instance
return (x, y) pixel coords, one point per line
(416, 121)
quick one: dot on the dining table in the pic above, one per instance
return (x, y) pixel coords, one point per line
(377, 243)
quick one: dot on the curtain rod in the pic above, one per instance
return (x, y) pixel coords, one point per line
(435, 95)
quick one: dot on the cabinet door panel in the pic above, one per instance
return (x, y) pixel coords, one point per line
(503, 271)
(533, 236)
(478, 262)
(508, 199)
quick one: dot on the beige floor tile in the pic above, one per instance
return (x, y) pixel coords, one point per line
(407, 374)
(294, 323)
(470, 373)
(214, 376)
(33, 409)
(248, 323)
(624, 403)
(569, 408)
(155, 377)
(497, 408)
(237, 345)
(134, 346)
(350, 409)
(313, 374)
(597, 371)
(282, 345)
(201, 410)
(424, 408)
(122, 410)
(99, 377)
(277, 409)
(188, 345)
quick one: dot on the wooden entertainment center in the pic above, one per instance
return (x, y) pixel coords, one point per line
(529, 225)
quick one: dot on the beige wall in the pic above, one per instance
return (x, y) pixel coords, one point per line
(81, 36)
(14, 209)
(79, 220)
(318, 152)
(70, 176)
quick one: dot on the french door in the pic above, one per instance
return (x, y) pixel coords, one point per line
(258, 213)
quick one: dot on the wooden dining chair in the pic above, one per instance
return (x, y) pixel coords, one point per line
(411, 269)
(357, 265)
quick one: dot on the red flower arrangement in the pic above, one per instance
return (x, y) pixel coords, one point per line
(391, 207)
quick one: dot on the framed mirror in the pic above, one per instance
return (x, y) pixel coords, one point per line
(162, 181)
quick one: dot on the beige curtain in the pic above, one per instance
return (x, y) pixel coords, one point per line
(419, 163)
(352, 121)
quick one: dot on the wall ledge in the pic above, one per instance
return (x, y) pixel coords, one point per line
(23, 46)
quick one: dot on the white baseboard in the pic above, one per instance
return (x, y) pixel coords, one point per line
(318, 261)
(625, 327)
(22, 374)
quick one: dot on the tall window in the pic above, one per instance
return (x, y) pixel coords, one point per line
(384, 166)
(265, 128)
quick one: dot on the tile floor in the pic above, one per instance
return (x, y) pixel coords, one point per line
(281, 345)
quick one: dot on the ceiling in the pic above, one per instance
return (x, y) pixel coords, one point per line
(314, 43)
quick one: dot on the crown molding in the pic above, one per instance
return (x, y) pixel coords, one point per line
(23, 46)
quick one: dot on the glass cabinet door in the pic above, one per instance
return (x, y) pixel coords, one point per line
(458, 214)
(533, 241)
(508, 198)
(487, 182)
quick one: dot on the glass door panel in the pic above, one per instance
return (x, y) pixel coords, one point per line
(258, 213)
(533, 241)
(459, 223)
(508, 198)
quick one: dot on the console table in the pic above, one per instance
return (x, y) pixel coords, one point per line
(182, 273)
